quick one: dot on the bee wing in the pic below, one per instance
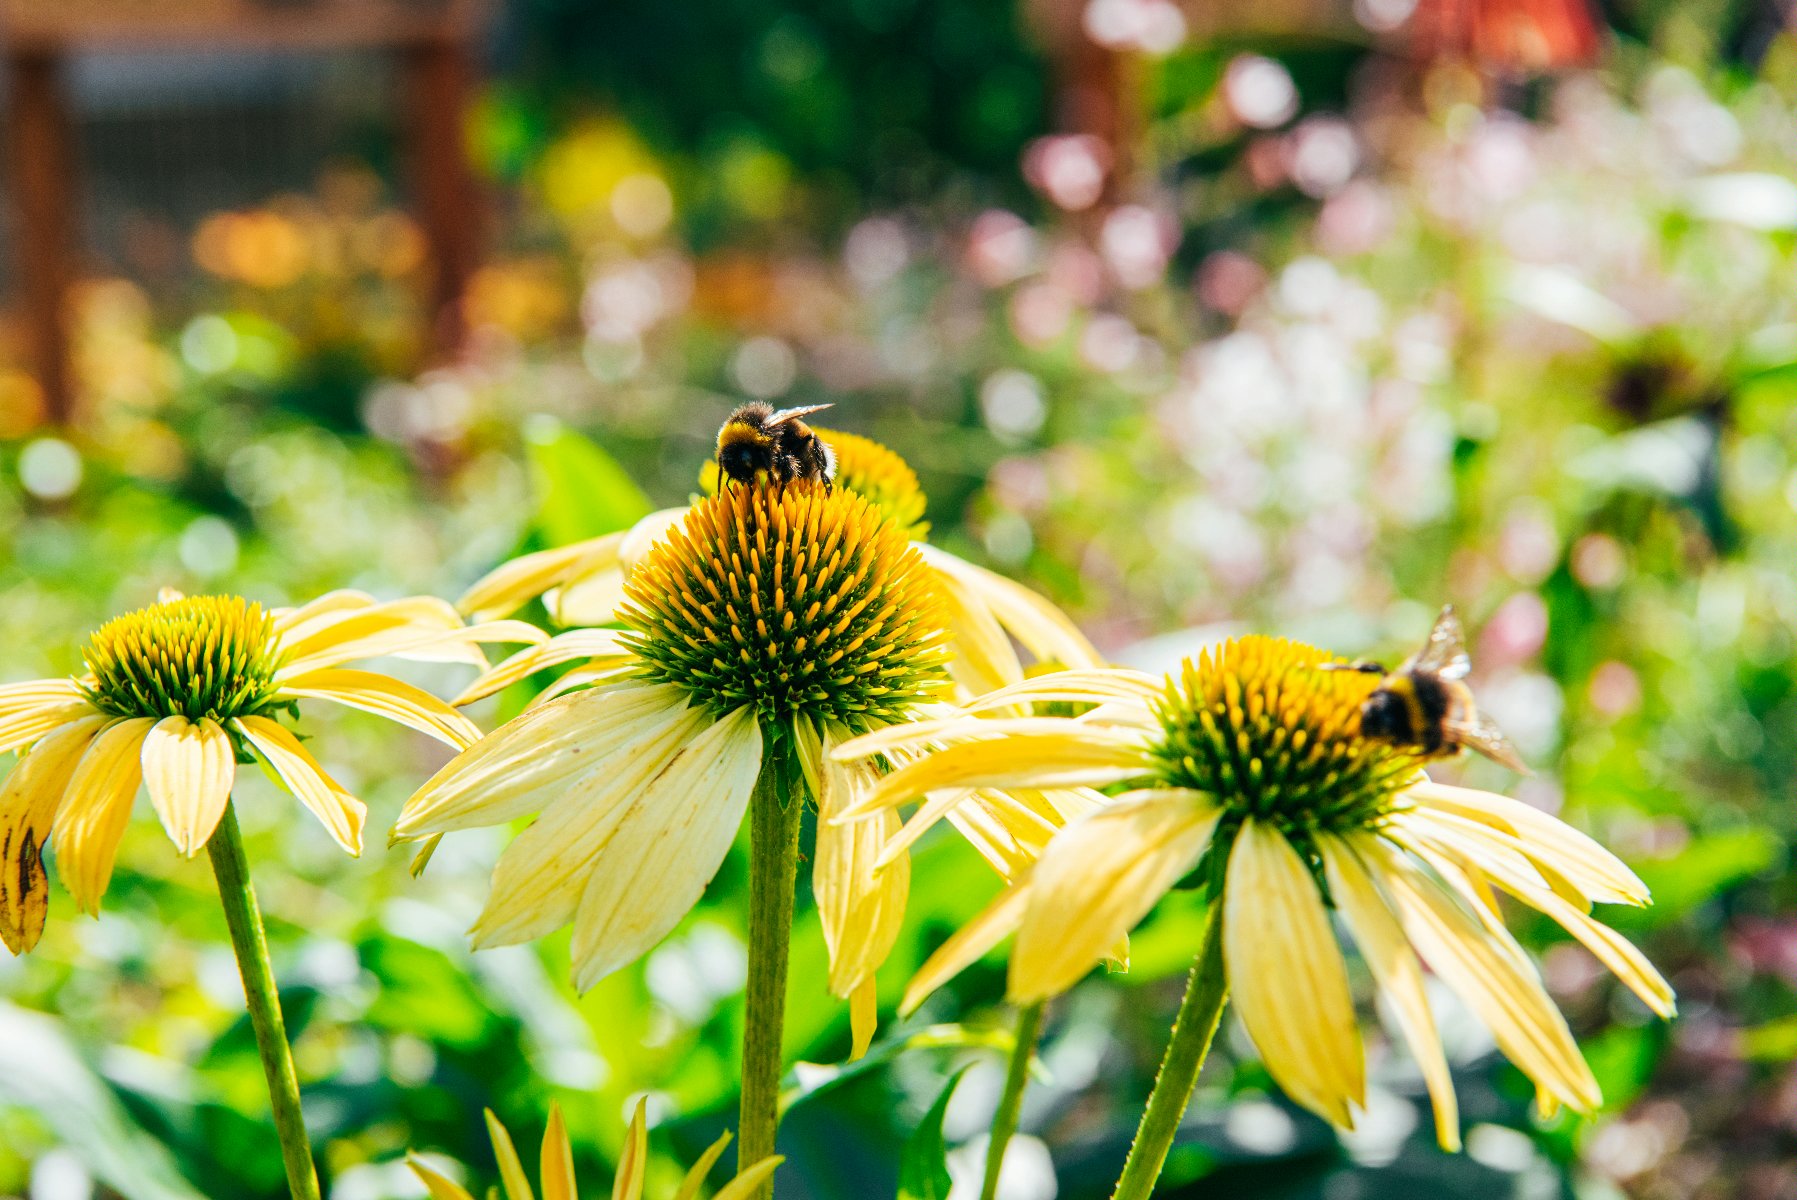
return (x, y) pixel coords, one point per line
(1444, 654)
(793, 414)
(1479, 732)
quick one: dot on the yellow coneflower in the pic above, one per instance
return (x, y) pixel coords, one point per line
(582, 584)
(557, 1166)
(1250, 768)
(173, 698)
(770, 625)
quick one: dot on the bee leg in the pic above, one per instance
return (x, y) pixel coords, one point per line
(1362, 666)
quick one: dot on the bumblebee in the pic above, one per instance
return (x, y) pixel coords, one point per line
(1425, 707)
(757, 442)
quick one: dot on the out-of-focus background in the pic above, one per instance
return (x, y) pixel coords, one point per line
(1299, 317)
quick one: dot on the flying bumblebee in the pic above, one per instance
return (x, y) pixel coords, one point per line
(756, 442)
(1425, 707)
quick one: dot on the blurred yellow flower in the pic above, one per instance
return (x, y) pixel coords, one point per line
(174, 697)
(557, 1166)
(1251, 770)
(582, 583)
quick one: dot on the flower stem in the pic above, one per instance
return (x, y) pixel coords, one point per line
(773, 873)
(1010, 1104)
(244, 918)
(1207, 989)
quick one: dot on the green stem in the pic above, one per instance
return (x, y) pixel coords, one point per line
(773, 875)
(1010, 1104)
(1207, 989)
(232, 870)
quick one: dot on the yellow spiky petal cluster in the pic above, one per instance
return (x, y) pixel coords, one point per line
(792, 600)
(869, 469)
(198, 656)
(1256, 724)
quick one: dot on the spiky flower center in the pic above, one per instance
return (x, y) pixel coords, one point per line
(1256, 724)
(869, 469)
(199, 656)
(792, 600)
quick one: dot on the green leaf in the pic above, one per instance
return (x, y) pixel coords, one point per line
(1703, 870)
(582, 492)
(923, 1172)
(40, 1071)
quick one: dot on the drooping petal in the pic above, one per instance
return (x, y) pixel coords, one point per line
(512, 585)
(861, 905)
(1603, 877)
(29, 802)
(189, 767)
(1289, 982)
(984, 658)
(340, 813)
(27, 725)
(511, 1168)
(1042, 628)
(538, 881)
(1098, 878)
(385, 696)
(1399, 975)
(557, 1159)
(515, 770)
(864, 1016)
(972, 942)
(1512, 874)
(563, 647)
(298, 621)
(96, 808)
(1488, 970)
(664, 848)
(36, 693)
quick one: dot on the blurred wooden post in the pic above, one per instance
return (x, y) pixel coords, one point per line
(41, 162)
(438, 83)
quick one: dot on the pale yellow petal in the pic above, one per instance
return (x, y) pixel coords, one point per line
(1487, 970)
(1287, 976)
(1075, 756)
(27, 725)
(1514, 874)
(511, 585)
(861, 905)
(564, 647)
(864, 1016)
(664, 848)
(1601, 875)
(37, 693)
(440, 1186)
(1399, 975)
(29, 802)
(538, 881)
(633, 1163)
(1042, 628)
(1098, 878)
(984, 659)
(189, 767)
(749, 1182)
(972, 942)
(96, 808)
(511, 1168)
(321, 611)
(385, 696)
(516, 769)
(695, 1178)
(557, 1159)
(340, 813)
